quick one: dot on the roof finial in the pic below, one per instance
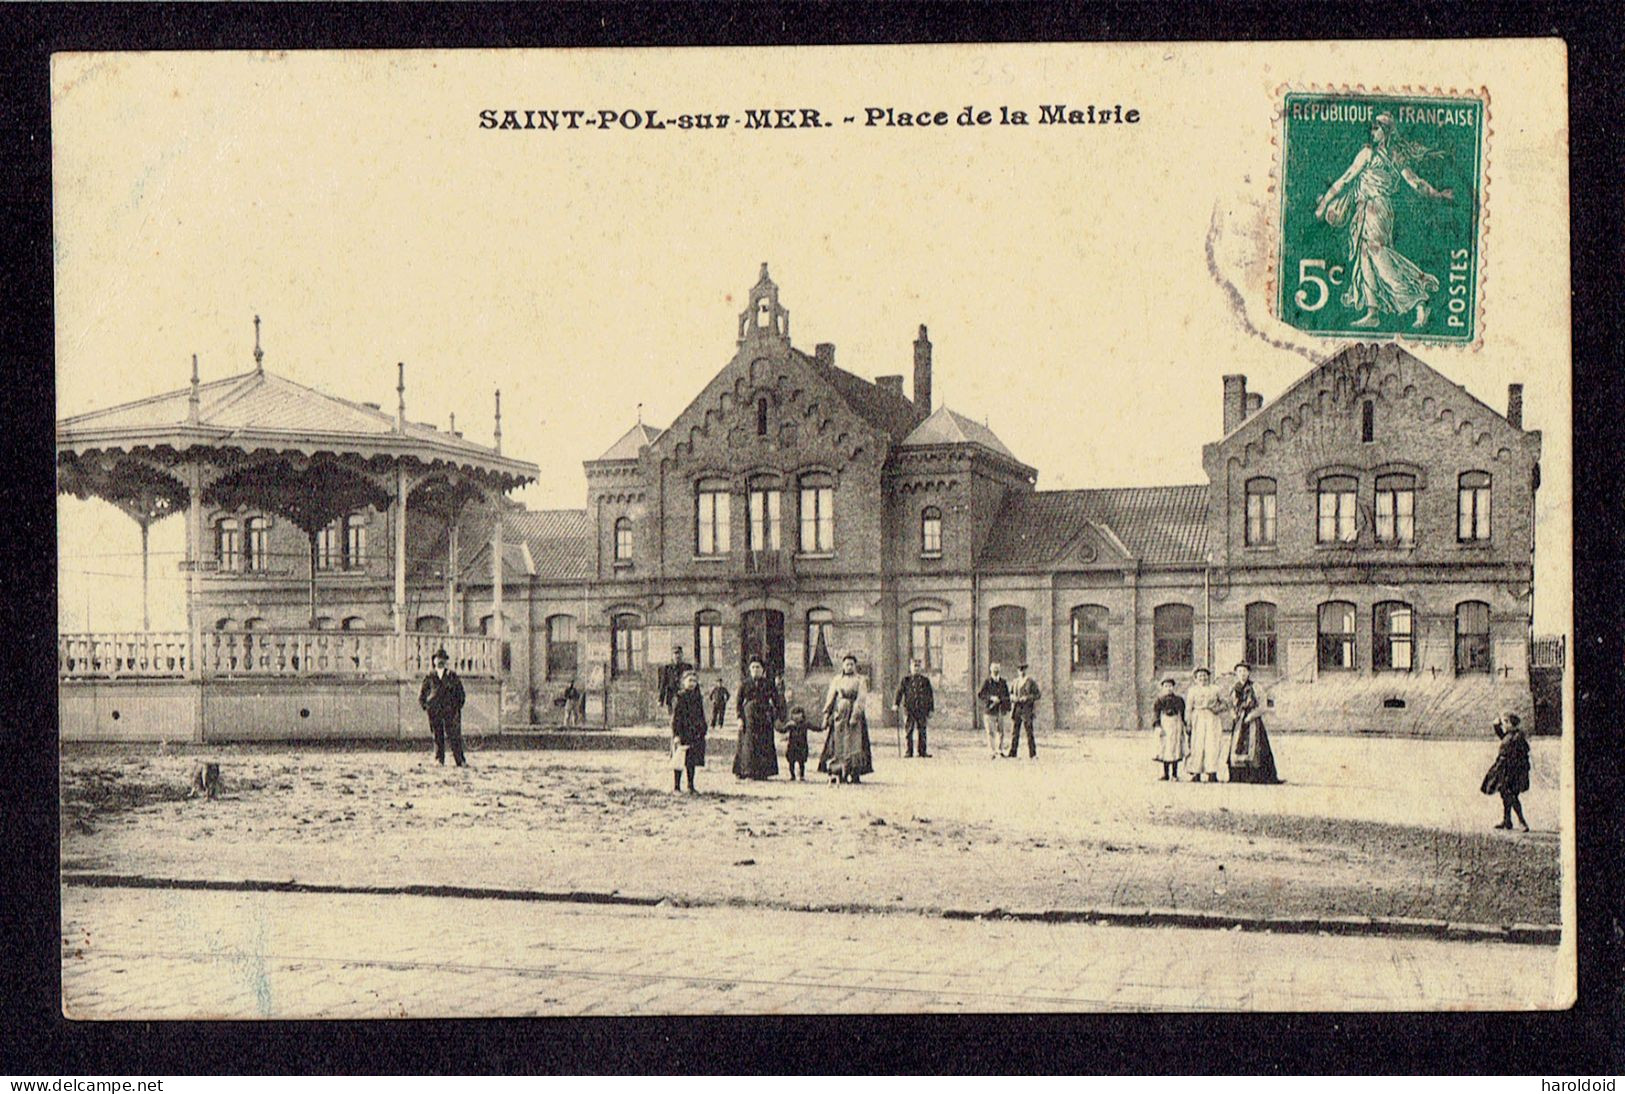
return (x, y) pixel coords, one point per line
(640, 413)
(400, 389)
(194, 398)
(259, 354)
(499, 421)
(454, 421)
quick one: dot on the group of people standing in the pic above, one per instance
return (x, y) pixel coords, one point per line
(1212, 727)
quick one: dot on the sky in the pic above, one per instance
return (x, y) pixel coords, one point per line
(1086, 287)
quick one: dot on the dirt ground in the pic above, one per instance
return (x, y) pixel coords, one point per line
(1362, 827)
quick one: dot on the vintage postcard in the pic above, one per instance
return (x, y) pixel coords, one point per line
(821, 530)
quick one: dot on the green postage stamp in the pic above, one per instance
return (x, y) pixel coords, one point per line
(1381, 210)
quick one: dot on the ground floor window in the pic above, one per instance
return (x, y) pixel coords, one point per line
(1091, 649)
(1173, 629)
(820, 628)
(1393, 631)
(925, 638)
(707, 637)
(1261, 635)
(626, 645)
(562, 658)
(1336, 633)
(1007, 636)
(1472, 637)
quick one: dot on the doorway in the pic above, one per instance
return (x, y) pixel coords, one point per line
(763, 636)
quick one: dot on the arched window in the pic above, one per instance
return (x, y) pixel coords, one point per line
(1393, 636)
(761, 417)
(354, 623)
(256, 623)
(228, 543)
(1473, 507)
(1173, 627)
(324, 622)
(817, 514)
(1260, 512)
(1396, 509)
(1261, 634)
(1091, 648)
(429, 624)
(707, 637)
(925, 638)
(626, 645)
(355, 542)
(1007, 636)
(820, 633)
(256, 553)
(764, 497)
(623, 539)
(711, 526)
(492, 626)
(1336, 634)
(562, 658)
(225, 624)
(1472, 637)
(1337, 499)
(1368, 422)
(931, 531)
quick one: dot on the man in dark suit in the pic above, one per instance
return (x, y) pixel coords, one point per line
(442, 697)
(670, 679)
(916, 701)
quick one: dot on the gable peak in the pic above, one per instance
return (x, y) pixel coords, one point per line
(764, 319)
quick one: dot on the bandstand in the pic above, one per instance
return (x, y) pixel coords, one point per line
(259, 441)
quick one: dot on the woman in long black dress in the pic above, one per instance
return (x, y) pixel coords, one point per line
(760, 708)
(688, 731)
(1509, 774)
(1251, 759)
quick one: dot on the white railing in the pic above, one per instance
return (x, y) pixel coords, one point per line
(1548, 651)
(272, 654)
(156, 654)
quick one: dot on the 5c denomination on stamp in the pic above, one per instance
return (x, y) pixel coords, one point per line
(1381, 211)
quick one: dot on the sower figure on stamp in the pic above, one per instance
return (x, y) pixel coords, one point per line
(442, 697)
(1380, 278)
(995, 698)
(915, 701)
(687, 732)
(671, 677)
(1024, 696)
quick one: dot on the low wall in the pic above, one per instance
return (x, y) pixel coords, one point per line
(256, 710)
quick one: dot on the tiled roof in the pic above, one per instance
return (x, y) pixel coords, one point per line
(891, 414)
(559, 543)
(945, 426)
(1158, 524)
(631, 441)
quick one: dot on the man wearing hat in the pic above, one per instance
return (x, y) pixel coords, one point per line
(670, 680)
(1024, 696)
(442, 697)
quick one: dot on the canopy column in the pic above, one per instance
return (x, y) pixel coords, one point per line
(194, 560)
(398, 608)
(451, 574)
(497, 623)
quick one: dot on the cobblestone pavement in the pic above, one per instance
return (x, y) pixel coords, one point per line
(150, 954)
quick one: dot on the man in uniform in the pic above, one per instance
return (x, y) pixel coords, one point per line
(671, 678)
(916, 701)
(442, 697)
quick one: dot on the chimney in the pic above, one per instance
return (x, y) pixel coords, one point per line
(1515, 405)
(891, 385)
(824, 353)
(922, 373)
(1255, 403)
(1235, 402)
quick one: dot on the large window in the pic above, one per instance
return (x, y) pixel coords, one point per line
(429, 624)
(711, 536)
(256, 551)
(623, 539)
(820, 629)
(1396, 509)
(1472, 637)
(1260, 512)
(329, 552)
(1091, 649)
(1007, 636)
(931, 531)
(1336, 632)
(764, 517)
(707, 637)
(1261, 635)
(355, 542)
(228, 543)
(1337, 498)
(817, 514)
(1393, 636)
(562, 657)
(1473, 507)
(925, 638)
(1172, 630)
(626, 645)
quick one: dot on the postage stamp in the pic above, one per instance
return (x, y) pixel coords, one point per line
(1381, 211)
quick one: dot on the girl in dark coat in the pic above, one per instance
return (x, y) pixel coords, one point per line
(1509, 774)
(795, 729)
(688, 731)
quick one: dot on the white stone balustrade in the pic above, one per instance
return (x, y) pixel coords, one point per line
(272, 654)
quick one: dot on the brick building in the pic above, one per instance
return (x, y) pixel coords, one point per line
(1366, 539)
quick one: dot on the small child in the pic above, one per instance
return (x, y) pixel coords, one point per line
(1168, 717)
(795, 750)
(719, 703)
